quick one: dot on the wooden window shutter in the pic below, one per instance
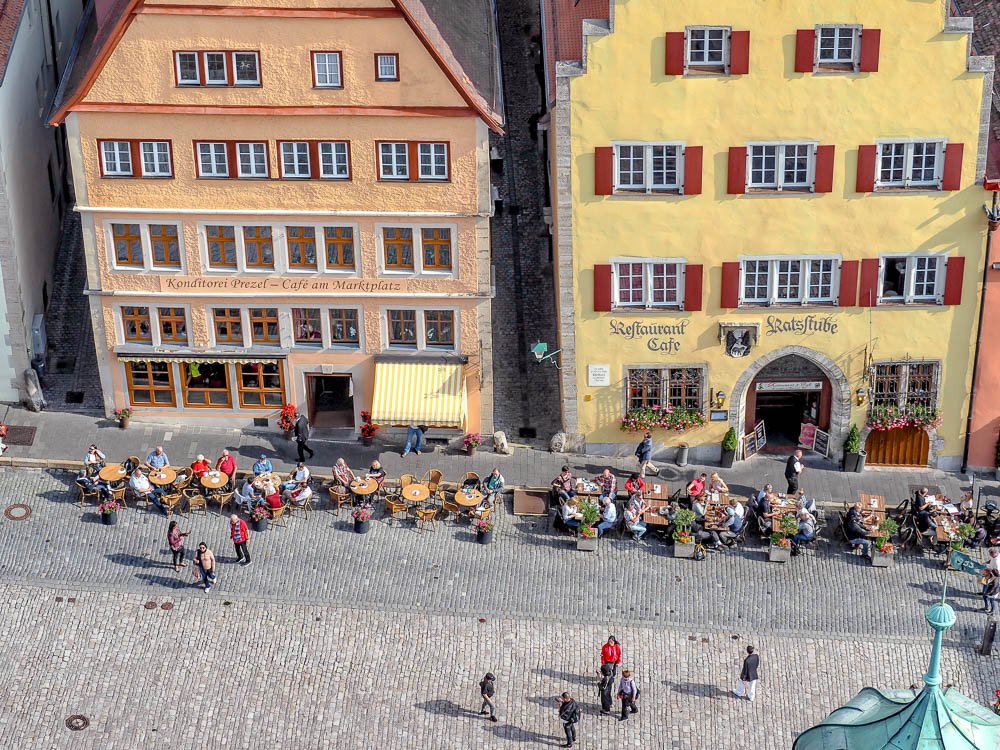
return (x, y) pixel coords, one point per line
(602, 288)
(953, 280)
(692, 286)
(805, 50)
(730, 285)
(866, 169)
(869, 283)
(737, 170)
(870, 41)
(824, 169)
(604, 170)
(951, 179)
(739, 53)
(233, 158)
(849, 283)
(674, 64)
(692, 170)
(314, 165)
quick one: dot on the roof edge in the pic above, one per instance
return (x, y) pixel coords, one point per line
(13, 41)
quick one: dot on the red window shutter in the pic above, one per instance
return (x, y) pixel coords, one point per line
(952, 177)
(602, 288)
(849, 282)
(866, 169)
(870, 41)
(692, 171)
(824, 169)
(869, 282)
(233, 158)
(675, 54)
(805, 50)
(314, 165)
(953, 280)
(737, 170)
(604, 170)
(692, 286)
(739, 53)
(730, 285)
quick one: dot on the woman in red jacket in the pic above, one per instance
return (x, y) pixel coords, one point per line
(611, 653)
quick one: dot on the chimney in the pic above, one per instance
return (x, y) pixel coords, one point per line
(102, 9)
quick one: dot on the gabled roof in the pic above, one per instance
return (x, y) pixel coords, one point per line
(10, 19)
(460, 35)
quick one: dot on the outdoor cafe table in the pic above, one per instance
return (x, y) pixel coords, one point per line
(586, 488)
(415, 493)
(267, 476)
(657, 491)
(874, 503)
(364, 487)
(112, 473)
(214, 479)
(652, 516)
(947, 526)
(162, 477)
(468, 498)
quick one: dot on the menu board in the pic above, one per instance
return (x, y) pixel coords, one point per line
(761, 437)
(822, 443)
(750, 446)
(807, 436)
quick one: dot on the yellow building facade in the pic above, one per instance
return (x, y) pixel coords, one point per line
(774, 223)
(281, 203)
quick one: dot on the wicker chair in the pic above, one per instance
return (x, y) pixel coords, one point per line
(171, 501)
(394, 507)
(433, 481)
(471, 476)
(85, 493)
(224, 499)
(340, 498)
(277, 514)
(406, 480)
(195, 500)
(481, 515)
(118, 493)
(448, 506)
(306, 505)
(425, 516)
(131, 464)
(183, 479)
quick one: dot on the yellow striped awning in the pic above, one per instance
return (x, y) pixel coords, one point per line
(426, 393)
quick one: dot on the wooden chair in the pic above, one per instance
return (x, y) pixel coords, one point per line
(306, 506)
(433, 481)
(171, 501)
(394, 507)
(471, 475)
(195, 500)
(183, 479)
(448, 506)
(277, 514)
(224, 499)
(406, 480)
(425, 516)
(85, 493)
(118, 493)
(481, 515)
(340, 498)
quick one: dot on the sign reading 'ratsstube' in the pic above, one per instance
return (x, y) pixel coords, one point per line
(807, 325)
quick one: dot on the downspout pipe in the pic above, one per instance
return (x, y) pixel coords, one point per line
(993, 220)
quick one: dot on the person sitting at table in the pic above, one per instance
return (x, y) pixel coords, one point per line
(635, 484)
(696, 487)
(757, 499)
(272, 499)
(638, 502)
(226, 464)
(342, 475)
(262, 465)
(376, 472)
(157, 459)
(569, 515)
(564, 484)
(607, 482)
(716, 484)
(807, 529)
(297, 479)
(801, 501)
(855, 530)
(730, 526)
(94, 461)
(200, 466)
(704, 534)
(102, 488)
(925, 517)
(142, 488)
(765, 513)
(248, 495)
(609, 514)
(699, 508)
(920, 497)
(966, 514)
(634, 522)
(492, 489)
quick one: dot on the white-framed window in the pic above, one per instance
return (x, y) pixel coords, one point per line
(433, 160)
(151, 324)
(116, 157)
(215, 69)
(145, 246)
(417, 249)
(213, 160)
(799, 280)
(326, 69)
(393, 161)
(334, 162)
(420, 328)
(911, 279)
(252, 159)
(838, 45)
(647, 283)
(387, 67)
(253, 247)
(246, 68)
(295, 159)
(781, 166)
(155, 158)
(188, 72)
(910, 163)
(707, 46)
(649, 167)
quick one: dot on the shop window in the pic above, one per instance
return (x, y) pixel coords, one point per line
(150, 383)
(679, 387)
(135, 322)
(647, 284)
(261, 385)
(166, 248)
(306, 322)
(910, 279)
(398, 243)
(301, 247)
(339, 247)
(258, 245)
(221, 246)
(436, 245)
(439, 328)
(173, 325)
(403, 328)
(264, 326)
(128, 244)
(205, 384)
(344, 329)
(228, 325)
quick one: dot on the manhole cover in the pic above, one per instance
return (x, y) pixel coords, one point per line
(17, 512)
(77, 722)
(74, 397)
(20, 435)
(150, 605)
(167, 605)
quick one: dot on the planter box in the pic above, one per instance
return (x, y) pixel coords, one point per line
(854, 462)
(485, 537)
(779, 554)
(684, 550)
(470, 451)
(588, 545)
(260, 524)
(728, 459)
(367, 440)
(880, 559)
(109, 519)
(362, 527)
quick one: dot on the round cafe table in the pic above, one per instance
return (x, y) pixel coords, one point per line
(258, 481)
(214, 479)
(161, 477)
(364, 487)
(468, 499)
(112, 473)
(415, 493)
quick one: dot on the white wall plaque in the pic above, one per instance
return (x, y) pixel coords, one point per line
(598, 375)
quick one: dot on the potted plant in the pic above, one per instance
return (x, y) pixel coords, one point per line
(883, 549)
(472, 442)
(965, 533)
(109, 512)
(781, 540)
(258, 517)
(683, 538)
(367, 428)
(484, 531)
(286, 420)
(362, 518)
(854, 457)
(123, 416)
(587, 537)
(729, 448)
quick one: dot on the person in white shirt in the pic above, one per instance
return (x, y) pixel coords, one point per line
(94, 461)
(142, 488)
(296, 485)
(609, 516)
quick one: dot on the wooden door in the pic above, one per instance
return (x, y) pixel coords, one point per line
(904, 446)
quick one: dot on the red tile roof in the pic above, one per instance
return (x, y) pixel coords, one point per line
(10, 17)
(564, 30)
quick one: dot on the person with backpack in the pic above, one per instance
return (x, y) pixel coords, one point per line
(628, 694)
(569, 715)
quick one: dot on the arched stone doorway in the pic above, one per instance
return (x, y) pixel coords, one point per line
(839, 397)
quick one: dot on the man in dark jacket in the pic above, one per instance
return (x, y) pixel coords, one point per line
(644, 454)
(302, 435)
(855, 531)
(748, 676)
(487, 689)
(793, 467)
(569, 715)
(607, 687)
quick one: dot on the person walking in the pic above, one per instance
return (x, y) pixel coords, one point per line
(991, 589)
(175, 538)
(240, 534)
(793, 468)
(628, 694)
(414, 439)
(606, 687)
(748, 676)
(644, 454)
(204, 562)
(611, 653)
(569, 715)
(302, 436)
(487, 690)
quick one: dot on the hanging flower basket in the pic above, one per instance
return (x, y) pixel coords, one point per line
(658, 417)
(892, 417)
